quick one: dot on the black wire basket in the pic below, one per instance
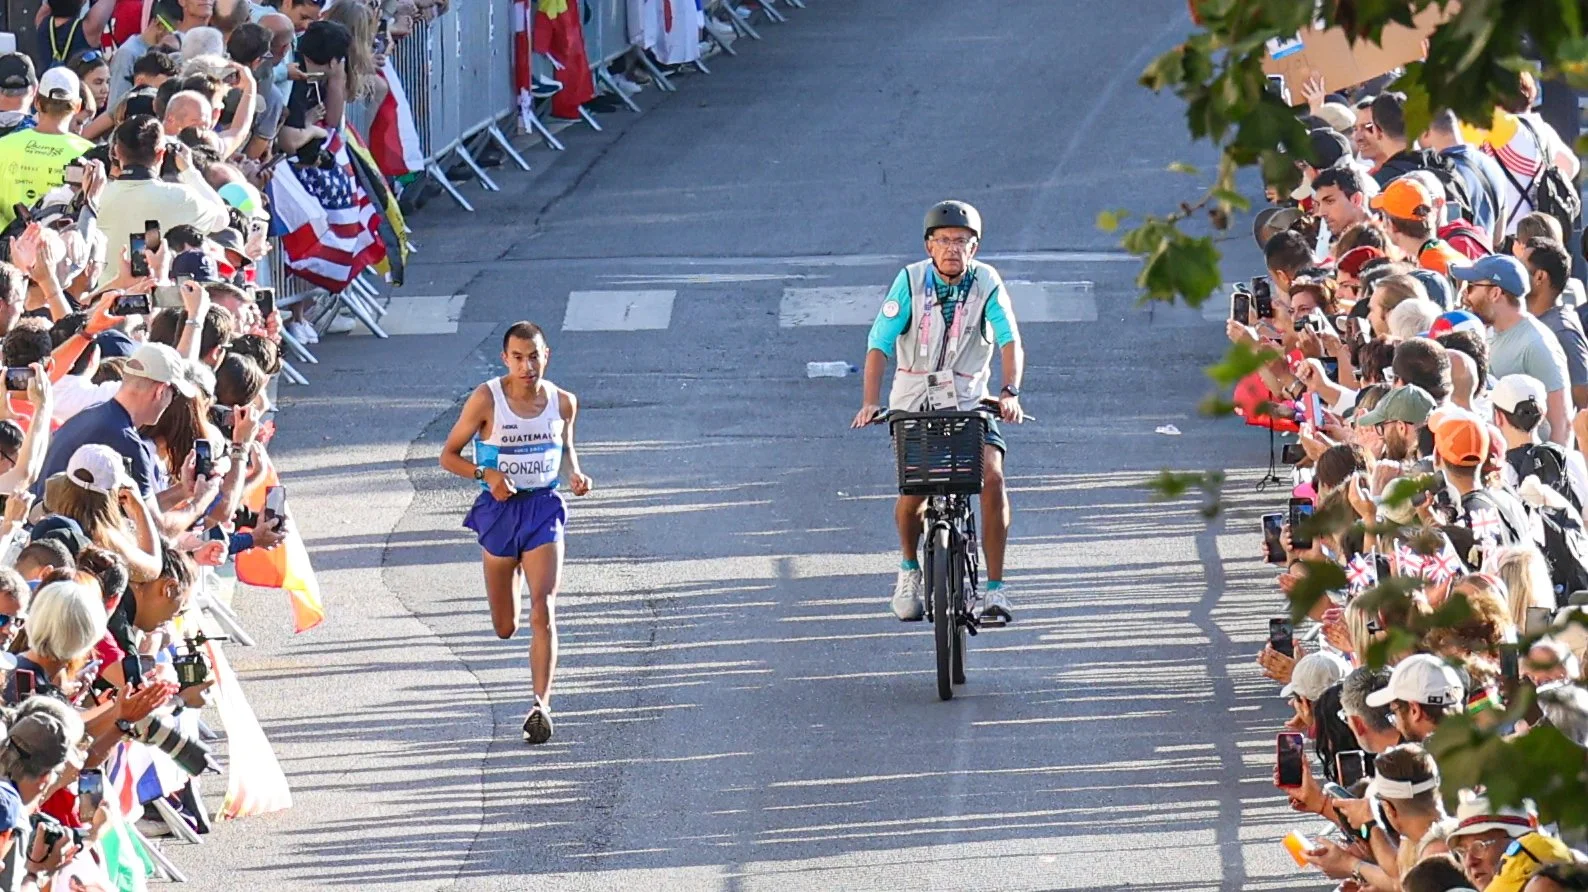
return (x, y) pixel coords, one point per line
(939, 454)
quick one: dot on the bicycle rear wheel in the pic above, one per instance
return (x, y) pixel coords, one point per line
(939, 562)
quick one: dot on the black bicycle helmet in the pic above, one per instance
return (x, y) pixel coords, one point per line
(953, 213)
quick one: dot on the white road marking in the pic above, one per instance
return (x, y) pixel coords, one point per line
(858, 305)
(1052, 301)
(618, 310)
(832, 305)
(421, 315)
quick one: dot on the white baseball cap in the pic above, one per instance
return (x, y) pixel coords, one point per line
(158, 362)
(1315, 673)
(60, 83)
(1514, 389)
(1421, 678)
(98, 468)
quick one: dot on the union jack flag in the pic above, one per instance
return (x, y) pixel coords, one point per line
(1407, 561)
(1361, 574)
(329, 228)
(1485, 523)
(1443, 566)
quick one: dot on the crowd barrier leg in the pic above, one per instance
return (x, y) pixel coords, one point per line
(497, 136)
(179, 827)
(656, 74)
(292, 375)
(462, 151)
(162, 864)
(588, 118)
(528, 118)
(771, 11)
(741, 26)
(433, 170)
(724, 45)
(355, 305)
(369, 292)
(700, 65)
(605, 77)
(797, 4)
(296, 347)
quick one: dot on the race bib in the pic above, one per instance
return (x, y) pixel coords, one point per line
(940, 394)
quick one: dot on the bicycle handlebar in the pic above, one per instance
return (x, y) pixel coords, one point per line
(986, 407)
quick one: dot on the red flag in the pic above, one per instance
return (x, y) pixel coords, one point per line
(393, 138)
(562, 38)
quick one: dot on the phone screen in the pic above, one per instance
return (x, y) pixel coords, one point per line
(1316, 409)
(17, 379)
(203, 458)
(1289, 757)
(1537, 619)
(1350, 766)
(25, 684)
(1279, 637)
(1272, 525)
(91, 784)
(1300, 513)
(1331, 367)
(1292, 454)
(265, 299)
(131, 305)
(136, 245)
(1241, 307)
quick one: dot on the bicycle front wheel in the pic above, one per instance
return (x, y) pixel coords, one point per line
(940, 563)
(961, 589)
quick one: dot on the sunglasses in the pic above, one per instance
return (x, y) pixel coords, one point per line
(91, 56)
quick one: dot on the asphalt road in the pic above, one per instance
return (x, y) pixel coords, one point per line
(737, 710)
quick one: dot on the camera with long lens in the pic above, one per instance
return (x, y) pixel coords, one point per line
(164, 734)
(54, 831)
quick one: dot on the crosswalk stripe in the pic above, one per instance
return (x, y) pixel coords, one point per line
(618, 310)
(858, 304)
(831, 305)
(1052, 301)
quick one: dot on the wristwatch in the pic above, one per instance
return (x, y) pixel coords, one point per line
(479, 473)
(1011, 390)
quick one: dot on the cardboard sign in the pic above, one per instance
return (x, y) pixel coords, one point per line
(1328, 52)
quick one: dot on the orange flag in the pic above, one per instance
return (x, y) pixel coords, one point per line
(285, 567)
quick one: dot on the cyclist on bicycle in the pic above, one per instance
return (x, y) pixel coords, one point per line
(942, 317)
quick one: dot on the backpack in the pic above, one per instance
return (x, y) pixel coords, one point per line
(1443, 169)
(1565, 548)
(1551, 192)
(1547, 462)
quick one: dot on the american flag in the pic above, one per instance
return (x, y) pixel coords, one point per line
(1361, 574)
(328, 226)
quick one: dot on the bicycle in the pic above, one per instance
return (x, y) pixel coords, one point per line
(939, 456)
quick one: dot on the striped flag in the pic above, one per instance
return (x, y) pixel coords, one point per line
(1444, 566)
(1361, 574)
(393, 138)
(142, 774)
(329, 229)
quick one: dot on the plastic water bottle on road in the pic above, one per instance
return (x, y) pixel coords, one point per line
(828, 369)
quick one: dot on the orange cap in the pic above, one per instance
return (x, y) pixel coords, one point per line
(1404, 199)
(1460, 438)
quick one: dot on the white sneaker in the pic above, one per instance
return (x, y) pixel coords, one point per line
(303, 331)
(995, 606)
(625, 86)
(908, 604)
(722, 29)
(537, 725)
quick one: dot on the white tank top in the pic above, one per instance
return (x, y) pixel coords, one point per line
(528, 451)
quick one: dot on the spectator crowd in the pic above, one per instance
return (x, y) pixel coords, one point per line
(1421, 301)
(138, 348)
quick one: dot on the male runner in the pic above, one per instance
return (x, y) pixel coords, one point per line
(522, 428)
(943, 316)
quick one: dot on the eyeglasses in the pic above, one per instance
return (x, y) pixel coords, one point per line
(954, 243)
(1463, 852)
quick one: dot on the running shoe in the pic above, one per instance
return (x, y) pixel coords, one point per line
(995, 607)
(537, 725)
(908, 603)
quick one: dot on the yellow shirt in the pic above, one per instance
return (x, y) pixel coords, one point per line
(33, 163)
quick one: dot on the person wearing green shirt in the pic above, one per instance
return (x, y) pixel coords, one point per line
(32, 162)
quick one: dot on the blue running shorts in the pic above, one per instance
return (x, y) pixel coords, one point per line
(526, 521)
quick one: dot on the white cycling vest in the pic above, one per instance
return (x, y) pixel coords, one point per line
(528, 451)
(929, 344)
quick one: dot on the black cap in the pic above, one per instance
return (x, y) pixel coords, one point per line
(196, 264)
(16, 72)
(1328, 146)
(62, 529)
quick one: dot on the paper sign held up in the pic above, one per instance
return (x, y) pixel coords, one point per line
(1328, 52)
